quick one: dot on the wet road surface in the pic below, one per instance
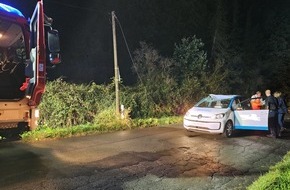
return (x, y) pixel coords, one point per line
(152, 158)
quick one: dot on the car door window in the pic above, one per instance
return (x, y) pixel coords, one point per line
(241, 103)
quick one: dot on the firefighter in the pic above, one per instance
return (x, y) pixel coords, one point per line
(256, 101)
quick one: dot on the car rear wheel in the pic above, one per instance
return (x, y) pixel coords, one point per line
(229, 129)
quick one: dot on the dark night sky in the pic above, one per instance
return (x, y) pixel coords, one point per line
(65, 14)
(86, 38)
(86, 35)
(73, 20)
(86, 32)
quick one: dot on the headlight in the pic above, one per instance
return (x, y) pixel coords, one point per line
(187, 114)
(218, 116)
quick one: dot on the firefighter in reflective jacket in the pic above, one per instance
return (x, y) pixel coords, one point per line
(256, 101)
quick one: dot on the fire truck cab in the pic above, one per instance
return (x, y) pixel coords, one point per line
(25, 49)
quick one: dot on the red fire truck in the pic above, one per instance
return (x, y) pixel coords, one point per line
(26, 47)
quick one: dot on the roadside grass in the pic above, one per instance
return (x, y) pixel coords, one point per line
(277, 178)
(46, 132)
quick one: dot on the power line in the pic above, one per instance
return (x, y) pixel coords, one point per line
(125, 40)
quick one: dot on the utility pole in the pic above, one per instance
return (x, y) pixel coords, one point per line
(116, 69)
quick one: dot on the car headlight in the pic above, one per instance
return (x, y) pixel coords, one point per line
(187, 114)
(218, 116)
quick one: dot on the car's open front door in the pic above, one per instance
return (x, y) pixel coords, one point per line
(248, 119)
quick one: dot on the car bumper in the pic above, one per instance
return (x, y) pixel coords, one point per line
(203, 126)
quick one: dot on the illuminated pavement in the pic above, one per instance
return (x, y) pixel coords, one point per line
(151, 158)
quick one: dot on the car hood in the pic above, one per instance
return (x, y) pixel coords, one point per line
(195, 111)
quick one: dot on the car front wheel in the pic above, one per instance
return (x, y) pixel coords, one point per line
(229, 129)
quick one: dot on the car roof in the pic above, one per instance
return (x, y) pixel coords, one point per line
(222, 96)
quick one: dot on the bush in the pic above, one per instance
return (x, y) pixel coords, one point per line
(66, 105)
(157, 93)
(166, 87)
(110, 121)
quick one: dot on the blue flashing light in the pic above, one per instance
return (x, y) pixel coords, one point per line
(10, 9)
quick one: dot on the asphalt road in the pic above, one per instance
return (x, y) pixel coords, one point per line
(151, 158)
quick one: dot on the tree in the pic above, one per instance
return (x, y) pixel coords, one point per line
(155, 91)
(190, 59)
(192, 73)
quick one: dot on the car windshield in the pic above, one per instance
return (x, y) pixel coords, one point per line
(213, 101)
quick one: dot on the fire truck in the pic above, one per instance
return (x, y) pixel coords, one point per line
(27, 46)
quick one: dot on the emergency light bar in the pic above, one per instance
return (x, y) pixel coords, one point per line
(10, 9)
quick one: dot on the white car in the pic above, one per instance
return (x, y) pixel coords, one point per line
(219, 114)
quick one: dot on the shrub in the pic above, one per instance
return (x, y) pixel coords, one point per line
(166, 87)
(65, 105)
(108, 120)
(156, 93)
